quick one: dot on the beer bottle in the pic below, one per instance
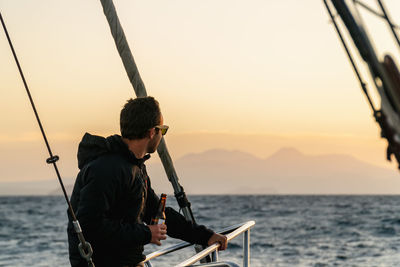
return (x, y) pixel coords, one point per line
(160, 215)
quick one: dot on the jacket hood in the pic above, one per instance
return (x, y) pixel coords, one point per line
(93, 146)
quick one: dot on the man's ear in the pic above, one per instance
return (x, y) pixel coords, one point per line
(152, 133)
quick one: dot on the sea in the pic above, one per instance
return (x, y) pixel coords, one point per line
(290, 230)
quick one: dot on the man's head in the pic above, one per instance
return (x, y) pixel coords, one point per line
(141, 119)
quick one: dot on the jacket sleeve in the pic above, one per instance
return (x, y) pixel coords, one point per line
(179, 227)
(97, 197)
(151, 204)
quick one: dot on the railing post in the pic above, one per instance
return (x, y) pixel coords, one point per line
(231, 233)
(214, 256)
(246, 248)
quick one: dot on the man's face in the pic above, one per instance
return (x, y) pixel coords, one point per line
(155, 141)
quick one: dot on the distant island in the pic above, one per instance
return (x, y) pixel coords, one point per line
(287, 171)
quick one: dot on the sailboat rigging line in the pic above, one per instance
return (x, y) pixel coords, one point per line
(376, 13)
(391, 25)
(123, 48)
(368, 8)
(84, 247)
(140, 90)
(362, 83)
(367, 53)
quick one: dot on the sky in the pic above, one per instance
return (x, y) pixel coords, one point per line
(266, 74)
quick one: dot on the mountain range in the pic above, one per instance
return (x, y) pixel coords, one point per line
(287, 171)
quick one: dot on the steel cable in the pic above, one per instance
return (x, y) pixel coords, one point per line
(84, 247)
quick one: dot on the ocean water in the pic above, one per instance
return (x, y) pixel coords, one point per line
(289, 230)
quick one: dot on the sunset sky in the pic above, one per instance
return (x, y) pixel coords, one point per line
(271, 74)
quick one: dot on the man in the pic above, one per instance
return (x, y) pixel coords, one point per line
(113, 198)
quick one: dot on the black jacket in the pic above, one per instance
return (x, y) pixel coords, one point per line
(112, 206)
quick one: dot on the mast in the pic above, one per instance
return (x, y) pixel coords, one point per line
(388, 115)
(140, 90)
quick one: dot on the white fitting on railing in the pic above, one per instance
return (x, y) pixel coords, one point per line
(246, 246)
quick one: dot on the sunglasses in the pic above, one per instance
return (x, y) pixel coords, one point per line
(162, 128)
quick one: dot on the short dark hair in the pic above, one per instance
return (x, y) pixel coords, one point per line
(138, 116)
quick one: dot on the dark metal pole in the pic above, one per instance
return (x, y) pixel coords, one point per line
(362, 83)
(367, 53)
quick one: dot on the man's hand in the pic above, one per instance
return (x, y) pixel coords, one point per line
(158, 233)
(217, 238)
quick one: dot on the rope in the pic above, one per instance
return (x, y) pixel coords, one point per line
(52, 159)
(362, 83)
(391, 25)
(376, 13)
(387, 131)
(123, 48)
(140, 90)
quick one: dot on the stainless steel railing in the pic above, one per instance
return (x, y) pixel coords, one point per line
(230, 232)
